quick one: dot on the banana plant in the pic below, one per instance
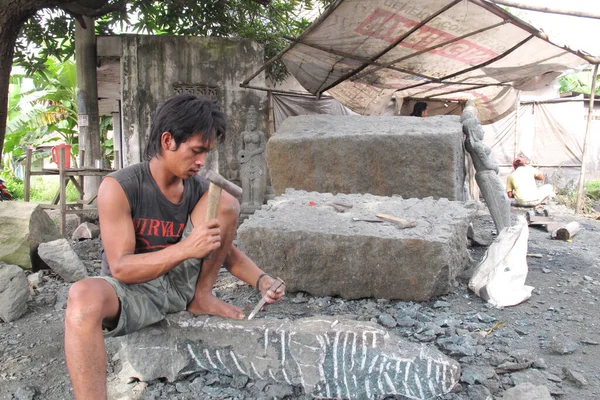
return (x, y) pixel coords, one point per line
(42, 108)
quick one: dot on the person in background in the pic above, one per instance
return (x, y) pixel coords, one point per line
(420, 109)
(521, 184)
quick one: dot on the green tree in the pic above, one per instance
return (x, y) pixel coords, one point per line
(580, 82)
(48, 106)
(33, 30)
(14, 14)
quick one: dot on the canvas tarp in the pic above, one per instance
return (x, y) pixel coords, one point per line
(551, 135)
(363, 53)
(288, 106)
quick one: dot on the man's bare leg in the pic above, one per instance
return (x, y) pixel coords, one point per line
(90, 302)
(204, 302)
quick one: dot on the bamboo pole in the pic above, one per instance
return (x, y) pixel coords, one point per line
(517, 109)
(579, 203)
(530, 7)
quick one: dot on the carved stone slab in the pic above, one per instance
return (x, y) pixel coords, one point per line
(327, 357)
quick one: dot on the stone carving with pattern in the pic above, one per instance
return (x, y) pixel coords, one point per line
(327, 357)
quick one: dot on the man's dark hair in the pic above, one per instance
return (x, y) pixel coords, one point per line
(184, 116)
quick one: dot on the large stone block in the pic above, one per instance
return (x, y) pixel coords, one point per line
(407, 156)
(24, 227)
(328, 357)
(300, 238)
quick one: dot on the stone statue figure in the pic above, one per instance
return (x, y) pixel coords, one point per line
(486, 169)
(251, 159)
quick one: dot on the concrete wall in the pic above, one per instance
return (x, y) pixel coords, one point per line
(154, 68)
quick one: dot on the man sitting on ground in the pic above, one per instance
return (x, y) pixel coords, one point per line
(155, 242)
(521, 185)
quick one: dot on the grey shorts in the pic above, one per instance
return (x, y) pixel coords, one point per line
(144, 304)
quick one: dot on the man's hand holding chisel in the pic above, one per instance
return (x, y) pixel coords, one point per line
(272, 290)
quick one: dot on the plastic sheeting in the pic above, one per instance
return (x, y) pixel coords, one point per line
(547, 134)
(364, 53)
(289, 106)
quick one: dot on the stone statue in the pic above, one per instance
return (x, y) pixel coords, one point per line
(251, 159)
(486, 176)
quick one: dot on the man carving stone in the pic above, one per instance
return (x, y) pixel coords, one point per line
(155, 240)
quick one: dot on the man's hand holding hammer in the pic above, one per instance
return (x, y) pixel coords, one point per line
(203, 240)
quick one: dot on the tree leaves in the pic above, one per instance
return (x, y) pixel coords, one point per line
(50, 33)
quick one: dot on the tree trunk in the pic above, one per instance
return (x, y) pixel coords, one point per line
(87, 102)
(11, 21)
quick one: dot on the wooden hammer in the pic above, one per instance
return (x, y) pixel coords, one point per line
(217, 182)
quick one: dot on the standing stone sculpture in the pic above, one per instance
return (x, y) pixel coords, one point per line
(252, 164)
(329, 357)
(486, 176)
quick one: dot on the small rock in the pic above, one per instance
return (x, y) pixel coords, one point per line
(14, 292)
(299, 298)
(588, 278)
(427, 336)
(546, 270)
(483, 317)
(261, 384)
(527, 391)
(86, 230)
(182, 387)
(540, 363)
(239, 381)
(279, 391)
(63, 260)
(552, 377)
(512, 367)
(406, 322)
(34, 281)
(590, 341)
(575, 377)
(387, 320)
(479, 392)
(25, 393)
(441, 304)
(563, 345)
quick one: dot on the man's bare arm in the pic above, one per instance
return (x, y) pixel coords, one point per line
(243, 268)
(118, 240)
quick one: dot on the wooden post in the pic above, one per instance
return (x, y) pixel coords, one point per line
(63, 193)
(517, 139)
(27, 182)
(117, 160)
(87, 100)
(580, 190)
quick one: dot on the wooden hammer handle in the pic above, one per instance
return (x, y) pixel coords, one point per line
(214, 195)
(405, 223)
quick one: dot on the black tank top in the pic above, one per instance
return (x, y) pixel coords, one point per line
(157, 221)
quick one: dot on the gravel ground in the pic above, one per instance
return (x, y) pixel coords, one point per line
(551, 339)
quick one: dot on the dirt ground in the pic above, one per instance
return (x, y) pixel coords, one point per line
(552, 339)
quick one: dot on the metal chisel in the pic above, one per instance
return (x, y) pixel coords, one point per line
(278, 282)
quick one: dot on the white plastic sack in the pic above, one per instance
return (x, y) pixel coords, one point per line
(500, 276)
